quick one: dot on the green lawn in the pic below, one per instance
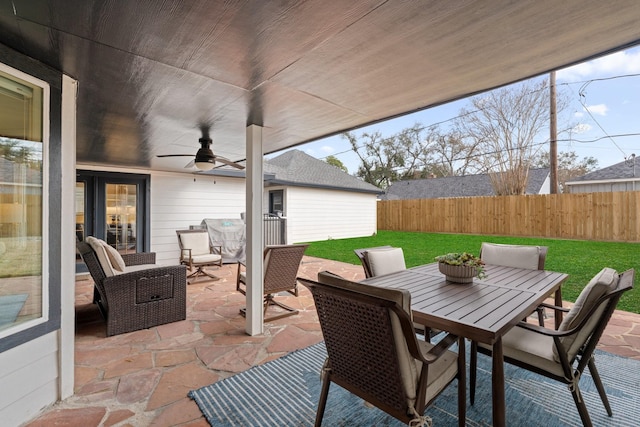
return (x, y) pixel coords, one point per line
(580, 259)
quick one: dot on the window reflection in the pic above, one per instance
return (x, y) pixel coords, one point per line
(21, 198)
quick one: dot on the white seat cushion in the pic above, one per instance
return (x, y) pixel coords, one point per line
(385, 260)
(205, 259)
(530, 347)
(511, 255)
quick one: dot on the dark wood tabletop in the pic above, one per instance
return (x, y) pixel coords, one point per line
(483, 310)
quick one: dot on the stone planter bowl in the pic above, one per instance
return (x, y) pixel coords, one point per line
(457, 273)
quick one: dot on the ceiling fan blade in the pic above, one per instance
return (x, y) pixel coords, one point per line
(229, 162)
(174, 155)
(191, 164)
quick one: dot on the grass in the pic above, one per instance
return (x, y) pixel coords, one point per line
(580, 259)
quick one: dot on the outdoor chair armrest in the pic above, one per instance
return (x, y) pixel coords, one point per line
(150, 273)
(217, 249)
(139, 258)
(554, 307)
(440, 348)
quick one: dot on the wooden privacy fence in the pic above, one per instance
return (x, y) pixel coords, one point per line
(610, 216)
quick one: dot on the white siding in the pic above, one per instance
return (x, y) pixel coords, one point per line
(181, 200)
(29, 379)
(317, 214)
(596, 187)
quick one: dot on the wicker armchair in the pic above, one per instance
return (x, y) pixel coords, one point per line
(374, 353)
(142, 296)
(281, 263)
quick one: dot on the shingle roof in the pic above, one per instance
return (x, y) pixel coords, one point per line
(295, 167)
(456, 186)
(622, 170)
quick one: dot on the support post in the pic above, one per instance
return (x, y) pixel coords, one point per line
(254, 198)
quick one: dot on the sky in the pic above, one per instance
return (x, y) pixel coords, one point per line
(604, 109)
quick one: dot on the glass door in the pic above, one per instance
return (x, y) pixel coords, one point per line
(113, 207)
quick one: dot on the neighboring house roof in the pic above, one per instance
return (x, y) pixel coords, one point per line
(456, 186)
(619, 171)
(297, 168)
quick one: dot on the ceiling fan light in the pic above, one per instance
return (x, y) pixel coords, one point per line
(204, 166)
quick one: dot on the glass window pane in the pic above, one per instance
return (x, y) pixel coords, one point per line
(121, 217)
(21, 198)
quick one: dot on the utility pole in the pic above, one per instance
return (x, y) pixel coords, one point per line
(553, 137)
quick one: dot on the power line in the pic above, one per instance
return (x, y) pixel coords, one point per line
(584, 84)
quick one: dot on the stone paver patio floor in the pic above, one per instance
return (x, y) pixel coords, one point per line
(142, 378)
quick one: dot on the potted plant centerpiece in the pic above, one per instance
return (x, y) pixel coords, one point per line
(461, 267)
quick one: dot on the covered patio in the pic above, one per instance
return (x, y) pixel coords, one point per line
(143, 377)
(137, 87)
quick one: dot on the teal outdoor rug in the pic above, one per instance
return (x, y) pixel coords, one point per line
(10, 306)
(285, 392)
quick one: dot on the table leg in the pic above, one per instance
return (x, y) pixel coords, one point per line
(497, 384)
(558, 303)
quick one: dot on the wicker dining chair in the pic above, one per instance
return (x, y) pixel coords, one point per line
(280, 268)
(373, 351)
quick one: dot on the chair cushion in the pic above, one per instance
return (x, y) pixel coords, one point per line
(603, 282)
(205, 259)
(114, 257)
(101, 254)
(197, 242)
(385, 261)
(511, 255)
(138, 267)
(530, 347)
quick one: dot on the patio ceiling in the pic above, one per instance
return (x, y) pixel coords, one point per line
(151, 71)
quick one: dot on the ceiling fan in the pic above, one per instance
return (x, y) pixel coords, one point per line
(205, 159)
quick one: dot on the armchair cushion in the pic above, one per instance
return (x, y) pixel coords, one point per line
(198, 243)
(385, 261)
(511, 255)
(117, 263)
(101, 254)
(603, 282)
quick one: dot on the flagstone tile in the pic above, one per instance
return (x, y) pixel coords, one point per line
(183, 411)
(130, 363)
(79, 417)
(118, 416)
(174, 357)
(217, 327)
(137, 387)
(86, 374)
(292, 338)
(176, 383)
(102, 356)
(97, 387)
(175, 329)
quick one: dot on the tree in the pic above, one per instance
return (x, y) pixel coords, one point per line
(379, 158)
(414, 152)
(503, 124)
(569, 166)
(334, 161)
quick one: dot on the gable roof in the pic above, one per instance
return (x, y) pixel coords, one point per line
(296, 168)
(622, 170)
(456, 186)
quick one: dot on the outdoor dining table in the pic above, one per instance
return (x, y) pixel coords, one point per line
(482, 311)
